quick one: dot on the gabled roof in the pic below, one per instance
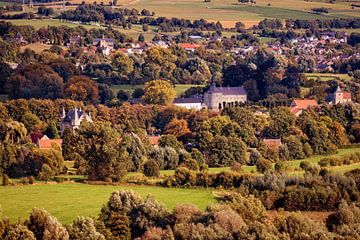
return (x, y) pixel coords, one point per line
(304, 103)
(154, 140)
(347, 95)
(46, 143)
(272, 142)
(186, 100)
(189, 45)
(228, 90)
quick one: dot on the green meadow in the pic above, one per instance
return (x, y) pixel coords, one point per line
(67, 201)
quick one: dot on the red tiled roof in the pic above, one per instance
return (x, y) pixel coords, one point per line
(47, 143)
(272, 143)
(304, 103)
(347, 95)
(154, 140)
(189, 45)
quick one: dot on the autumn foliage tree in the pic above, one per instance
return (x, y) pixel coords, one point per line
(159, 92)
(82, 88)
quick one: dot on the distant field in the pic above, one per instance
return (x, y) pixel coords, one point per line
(49, 22)
(5, 3)
(67, 201)
(293, 164)
(37, 47)
(228, 13)
(179, 88)
(327, 76)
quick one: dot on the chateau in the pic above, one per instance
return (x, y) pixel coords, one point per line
(73, 119)
(217, 98)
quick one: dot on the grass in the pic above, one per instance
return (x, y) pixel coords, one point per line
(274, 12)
(5, 3)
(179, 88)
(67, 201)
(3, 97)
(293, 164)
(49, 22)
(327, 76)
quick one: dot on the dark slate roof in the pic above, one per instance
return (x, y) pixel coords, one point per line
(187, 100)
(228, 90)
(70, 115)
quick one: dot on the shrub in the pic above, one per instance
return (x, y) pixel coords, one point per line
(5, 180)
(236, 167)
(46, 173)
(151, 168)
(191, 164)
(263, 165)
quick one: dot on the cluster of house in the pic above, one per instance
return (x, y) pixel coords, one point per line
(338, 97)
(106, 45)
(215, 98)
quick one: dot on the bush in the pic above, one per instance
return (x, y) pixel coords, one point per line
(46, 173)
(151, 169)
(263, 165)
(5, 180)
(236, 167)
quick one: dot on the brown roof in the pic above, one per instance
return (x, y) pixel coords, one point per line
(272, 143)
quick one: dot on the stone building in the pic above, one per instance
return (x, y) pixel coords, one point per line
(73, 119)
(104, 45)
(217, 98)
(339, 96)
(189, 103)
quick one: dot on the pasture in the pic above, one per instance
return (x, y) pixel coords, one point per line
(67, 201)
(179, 88)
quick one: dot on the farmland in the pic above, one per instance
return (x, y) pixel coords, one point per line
(67, 201)
(228, 12)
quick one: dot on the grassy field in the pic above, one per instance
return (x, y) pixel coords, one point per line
(66, 201)
(4, 3)
(327, 76)
(229, 12)
(293, 164)
(179, 88)
(49, 22)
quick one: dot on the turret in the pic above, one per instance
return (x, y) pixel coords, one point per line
(76, 116)
(63, 114)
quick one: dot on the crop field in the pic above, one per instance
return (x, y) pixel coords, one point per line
(327, 76)
(67, 201)
(179, 88)
(229, 12)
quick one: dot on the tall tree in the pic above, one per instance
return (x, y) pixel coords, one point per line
(159, 92)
